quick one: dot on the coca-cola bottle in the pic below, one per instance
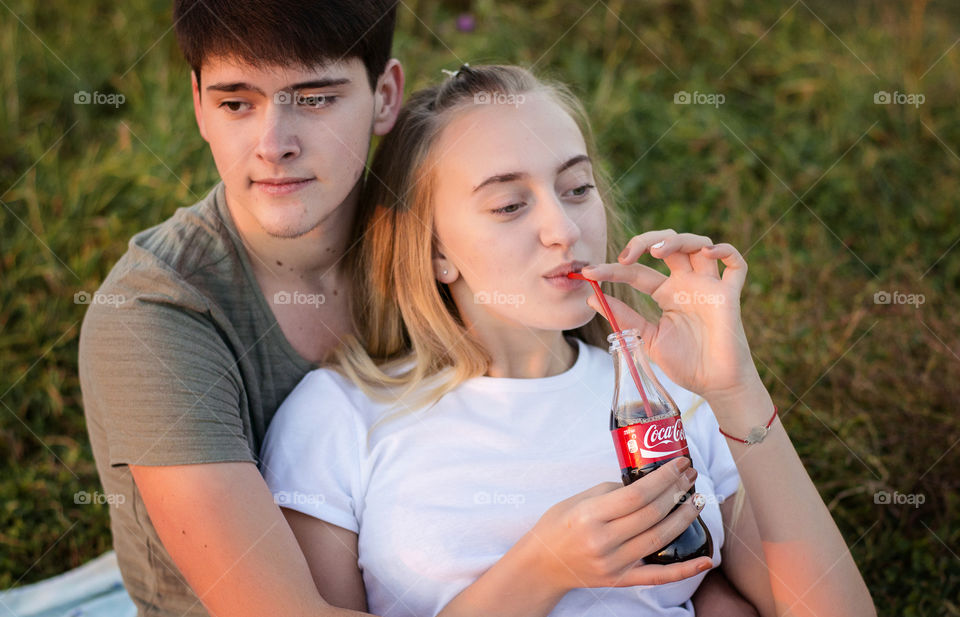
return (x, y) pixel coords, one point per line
(647, 432)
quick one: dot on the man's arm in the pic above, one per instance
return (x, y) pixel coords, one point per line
(230, 541)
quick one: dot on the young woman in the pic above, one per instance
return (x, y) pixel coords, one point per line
(432, 467)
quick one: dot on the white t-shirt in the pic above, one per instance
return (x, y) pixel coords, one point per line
(439, 495)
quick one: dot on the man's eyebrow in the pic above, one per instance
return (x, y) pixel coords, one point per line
(241, 86)
(516, 175)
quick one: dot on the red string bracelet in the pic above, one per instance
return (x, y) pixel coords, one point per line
(757, 433)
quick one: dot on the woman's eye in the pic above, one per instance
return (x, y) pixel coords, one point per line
(233, 106)
(508, 209)
(582, 190)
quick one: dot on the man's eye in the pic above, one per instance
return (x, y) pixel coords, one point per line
(316, 100)
(233, 106)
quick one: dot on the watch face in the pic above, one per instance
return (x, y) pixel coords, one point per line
(756, 435)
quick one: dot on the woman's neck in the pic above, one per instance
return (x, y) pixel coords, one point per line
(528, 354)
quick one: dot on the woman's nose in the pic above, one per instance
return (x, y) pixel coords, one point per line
(559, 225)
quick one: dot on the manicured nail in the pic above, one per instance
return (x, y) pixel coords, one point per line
(691, 474)
(657, 245)
(683, 463)
(699, 501)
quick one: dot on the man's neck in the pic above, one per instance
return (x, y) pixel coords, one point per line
(309, 260)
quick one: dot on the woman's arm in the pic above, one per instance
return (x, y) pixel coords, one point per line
(594, 539)
(700, 343)
(743, 559)
(331, 553)
(811, 571)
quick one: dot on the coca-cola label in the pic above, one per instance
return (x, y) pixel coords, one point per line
(639, 445)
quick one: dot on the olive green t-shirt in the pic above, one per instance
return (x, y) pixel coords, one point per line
(181, 361)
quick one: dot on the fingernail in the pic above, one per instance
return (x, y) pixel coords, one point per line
(703, 567)
(690, 474)
(657, 245)
(699, 501)
(623, 254)
(682, 464)
(711, 247)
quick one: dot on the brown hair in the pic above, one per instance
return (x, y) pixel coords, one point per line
(306, 33)
(410, 334)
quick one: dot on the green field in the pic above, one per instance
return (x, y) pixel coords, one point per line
(839, 203)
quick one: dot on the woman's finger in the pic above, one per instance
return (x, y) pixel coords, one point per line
(661, 534)
(650, 574)
(702, 264)
(629, 499)
(676, 251)
(638, 276)
(736, 266)
(626, 316)
(638, 245)
(644, 518)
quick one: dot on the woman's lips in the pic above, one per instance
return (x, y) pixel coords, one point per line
(563, 283)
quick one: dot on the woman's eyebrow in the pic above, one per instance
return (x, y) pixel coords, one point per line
(517, 175)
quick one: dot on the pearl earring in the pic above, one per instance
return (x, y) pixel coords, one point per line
(444, 272)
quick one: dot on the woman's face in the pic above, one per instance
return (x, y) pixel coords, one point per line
(515, 210)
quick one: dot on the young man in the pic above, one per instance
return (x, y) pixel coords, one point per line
(230, 302)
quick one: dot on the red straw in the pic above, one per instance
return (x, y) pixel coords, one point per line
(619, 334)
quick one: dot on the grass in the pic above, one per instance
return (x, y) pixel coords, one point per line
(832, 197)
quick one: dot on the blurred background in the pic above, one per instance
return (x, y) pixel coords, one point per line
(821, 138)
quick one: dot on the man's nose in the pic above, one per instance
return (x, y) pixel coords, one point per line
(278, 136)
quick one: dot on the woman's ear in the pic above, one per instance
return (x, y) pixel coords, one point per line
(443, 270)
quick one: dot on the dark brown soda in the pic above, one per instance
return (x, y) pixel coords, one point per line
(694, 542)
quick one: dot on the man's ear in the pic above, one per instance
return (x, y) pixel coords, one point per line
(197, 112)
(388, 97)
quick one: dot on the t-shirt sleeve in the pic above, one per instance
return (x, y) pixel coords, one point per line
(311, 455)
(164, 383)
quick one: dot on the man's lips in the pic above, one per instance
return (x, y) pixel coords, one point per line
(281, 186)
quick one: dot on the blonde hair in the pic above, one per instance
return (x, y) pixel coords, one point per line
(412, 347)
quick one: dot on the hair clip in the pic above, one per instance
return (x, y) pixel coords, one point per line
(455, 74)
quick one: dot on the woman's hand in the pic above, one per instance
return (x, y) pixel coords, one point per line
(699, 341)
(599, 537)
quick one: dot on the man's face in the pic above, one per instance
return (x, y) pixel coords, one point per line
(290, 143)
